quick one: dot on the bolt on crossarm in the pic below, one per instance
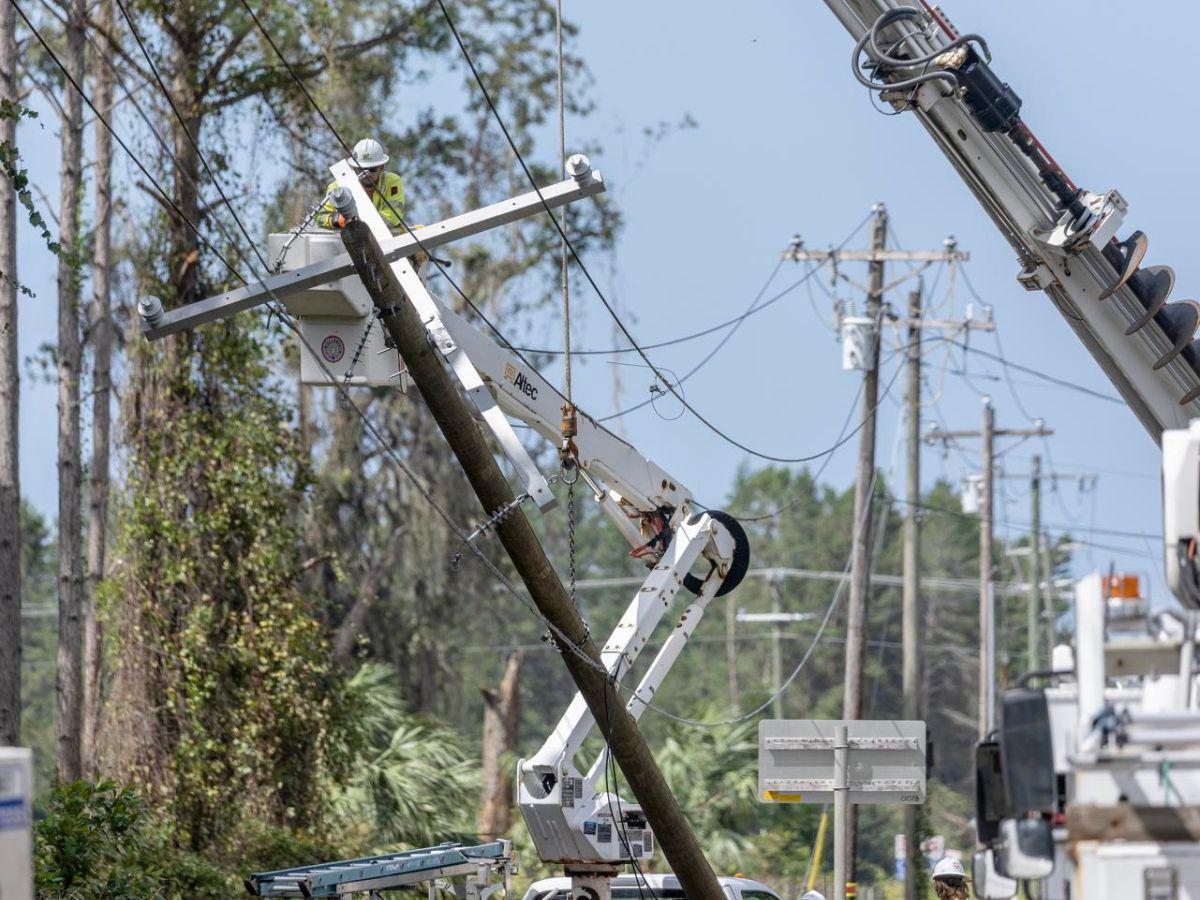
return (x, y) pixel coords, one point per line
(440, 393)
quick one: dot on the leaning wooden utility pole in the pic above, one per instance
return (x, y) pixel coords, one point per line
(1035, 567)
(445, 402)
(910, 624)
(987, 598)
(864, 495)
(987, 604)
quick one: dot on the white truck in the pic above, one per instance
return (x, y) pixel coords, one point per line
(652, 885)
(1090, 788)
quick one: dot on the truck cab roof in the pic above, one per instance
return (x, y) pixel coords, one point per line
(653, 886)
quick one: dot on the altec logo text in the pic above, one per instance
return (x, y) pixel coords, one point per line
(520, 381)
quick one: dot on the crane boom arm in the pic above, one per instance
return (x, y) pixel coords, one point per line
(1063, 237)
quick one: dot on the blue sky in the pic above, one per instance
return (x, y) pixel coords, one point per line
(788, 143)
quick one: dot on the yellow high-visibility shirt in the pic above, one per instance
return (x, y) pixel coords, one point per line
(388, 197)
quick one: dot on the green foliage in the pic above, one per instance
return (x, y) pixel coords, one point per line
(39, 645)
(714, 773)
(245, 712)
(414, 784)
(90, 844)
(10, 163)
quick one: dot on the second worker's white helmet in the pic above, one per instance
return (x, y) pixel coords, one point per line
(812, 895)
(948, 867)
(368, 154)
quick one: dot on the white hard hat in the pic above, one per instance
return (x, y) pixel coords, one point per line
(949, 867)
(813, 895)
(368, 154)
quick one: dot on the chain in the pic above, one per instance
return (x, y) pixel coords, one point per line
(571, 537)
(294, 234)
(362, 343)
(492, 521)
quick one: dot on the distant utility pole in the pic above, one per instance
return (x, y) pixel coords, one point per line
(777, 617)
(910, 624)
(1035, 565)
(1039, 626)
(987, 601)
(776, 651)
(864, 496)
(861, 343)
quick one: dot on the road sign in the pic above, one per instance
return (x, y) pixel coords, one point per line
(885, 761)
(16, 842)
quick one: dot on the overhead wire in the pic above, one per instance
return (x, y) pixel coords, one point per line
(583, 266)
(715, 350)
(563, 640)
(840, 441)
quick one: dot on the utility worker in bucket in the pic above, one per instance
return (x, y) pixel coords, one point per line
(949, 880)
(386, 189)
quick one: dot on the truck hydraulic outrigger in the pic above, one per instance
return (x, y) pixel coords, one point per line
(1064, 236)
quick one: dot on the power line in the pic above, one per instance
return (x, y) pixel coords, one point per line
(1046, 526)
(562, 639)
(583, 267)
(1027, 369)
(736, 320)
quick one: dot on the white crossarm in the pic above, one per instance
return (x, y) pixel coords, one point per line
(414, 289)
(400, 246)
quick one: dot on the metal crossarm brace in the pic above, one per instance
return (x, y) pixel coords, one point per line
(798, 254)
(414, 288)
(500, 384)
(404, 245)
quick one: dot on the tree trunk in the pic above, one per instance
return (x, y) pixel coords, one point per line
(101, 406)
(499, 737)
(69, 713)
(10, 392)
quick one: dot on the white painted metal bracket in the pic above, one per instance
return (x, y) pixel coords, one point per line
(631, 634)
(414, 288)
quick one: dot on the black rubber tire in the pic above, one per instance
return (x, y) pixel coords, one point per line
(741, 557)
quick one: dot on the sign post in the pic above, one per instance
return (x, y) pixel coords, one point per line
(846, 761)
